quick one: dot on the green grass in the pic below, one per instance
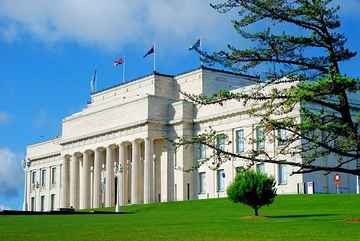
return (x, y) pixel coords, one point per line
(318, 217)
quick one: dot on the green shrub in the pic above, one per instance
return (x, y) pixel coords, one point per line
(253, 189)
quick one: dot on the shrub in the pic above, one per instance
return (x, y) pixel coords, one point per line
(253, 189)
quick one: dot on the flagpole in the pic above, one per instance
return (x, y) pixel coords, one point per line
(124, 69)
(201, 49)
(154, 58)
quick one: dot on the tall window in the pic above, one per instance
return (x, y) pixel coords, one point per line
(52, 202)
(239, 140)
(260, 138)
(220, 142)
(43, 177)
(42, 203)
(220, 180)
(260, 167)
(282, 137)
(33, 177)
(282, 174)
(53, 175)
(201, 151)
(33, 204)
(202, 182)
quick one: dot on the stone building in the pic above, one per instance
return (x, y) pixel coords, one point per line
(128, 126)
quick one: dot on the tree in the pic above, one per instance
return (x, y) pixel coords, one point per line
(299, 47)
(253, 189)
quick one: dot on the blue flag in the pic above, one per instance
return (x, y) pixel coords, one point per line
(196, 45)
(151, 51)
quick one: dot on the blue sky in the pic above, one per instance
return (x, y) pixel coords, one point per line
(49, 50)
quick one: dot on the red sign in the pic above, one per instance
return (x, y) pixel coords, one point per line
(337, 179)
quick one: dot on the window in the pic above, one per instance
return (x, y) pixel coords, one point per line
(201, 148)
(239, 169)
(53, 175)
(202, 182)
(260, 138)
(220, 142)
(43, 177)
(282, 174)
(260, 167)
(282, 137)
(33, 177)
(239, 140)
(52, 202)
(42, 203)
(32, 204)
(220, 180)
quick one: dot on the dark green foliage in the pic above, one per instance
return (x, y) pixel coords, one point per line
(297, 48)
(253, 189)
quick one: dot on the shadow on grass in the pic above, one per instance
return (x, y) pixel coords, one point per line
(302, 215)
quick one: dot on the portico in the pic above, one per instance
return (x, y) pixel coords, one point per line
(138, 160)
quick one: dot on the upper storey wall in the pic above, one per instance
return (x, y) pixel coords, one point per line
(208, 82)
(214, 81)
(158, 85)
(85, 124)
(45, 148)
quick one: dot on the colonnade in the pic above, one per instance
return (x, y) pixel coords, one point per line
(88, 176)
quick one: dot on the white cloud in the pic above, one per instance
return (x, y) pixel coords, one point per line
(11, 174)
(114, 23)
(4, 118)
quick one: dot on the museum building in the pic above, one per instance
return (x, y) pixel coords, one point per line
(117, 149)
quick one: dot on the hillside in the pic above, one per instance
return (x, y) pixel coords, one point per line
(293, 217)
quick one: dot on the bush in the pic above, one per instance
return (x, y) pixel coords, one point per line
(253, 189)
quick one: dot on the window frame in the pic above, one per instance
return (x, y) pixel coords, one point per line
(219, 187)
(221, 146)
(53, 176)
(202, 183)
(282, 141)
(33, 178)
(43, 177)
(258, 141)
(237, 140)
(201, 151)
(282, 179)
(262, 169)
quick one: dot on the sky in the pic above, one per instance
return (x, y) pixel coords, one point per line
(50, 49)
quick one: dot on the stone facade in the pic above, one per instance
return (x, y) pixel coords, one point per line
(129, 127)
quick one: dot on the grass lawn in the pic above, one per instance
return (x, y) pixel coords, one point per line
(293, 217)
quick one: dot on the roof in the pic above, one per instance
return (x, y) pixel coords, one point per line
(182, 73)
(133, 80)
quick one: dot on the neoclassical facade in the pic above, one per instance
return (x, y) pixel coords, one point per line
(117, 149)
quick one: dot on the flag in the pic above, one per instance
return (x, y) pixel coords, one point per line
(151, 51)
(196, 45)
(117, 62)
(93, 83)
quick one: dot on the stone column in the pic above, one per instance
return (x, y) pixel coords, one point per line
(85, 181)
(97, 178)
(74, 177)
(120, 182)
(109, 176)
(65, 183)
(148, 170)
(134, 172)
